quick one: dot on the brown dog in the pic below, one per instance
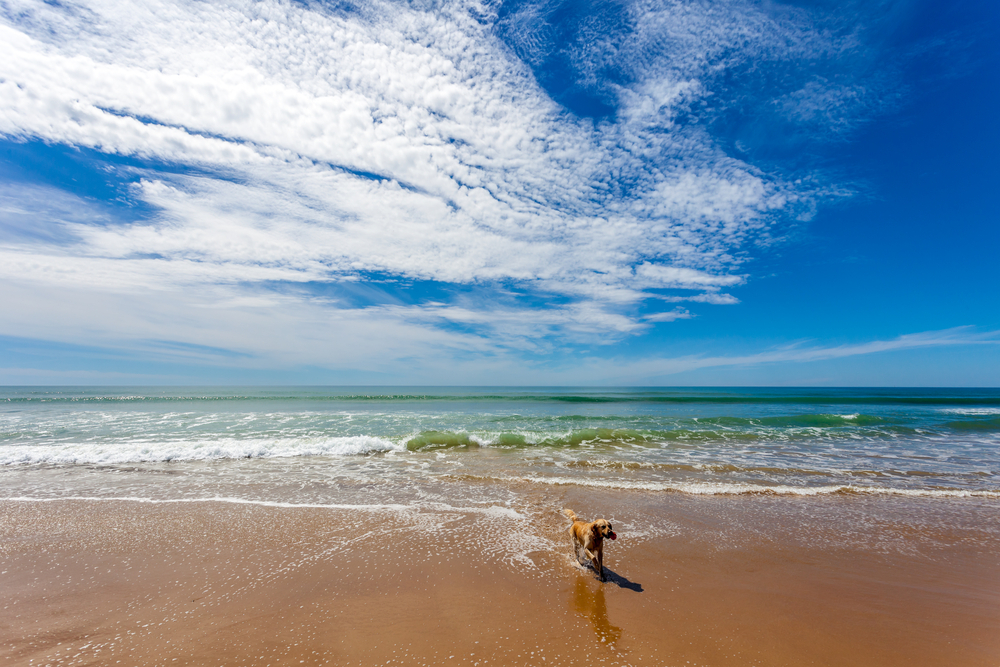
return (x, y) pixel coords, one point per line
(590, 538)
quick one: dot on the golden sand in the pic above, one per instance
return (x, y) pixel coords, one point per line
(715, 581)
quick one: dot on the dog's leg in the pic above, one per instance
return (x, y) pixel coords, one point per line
(579, 547)
(600, 562)
(595, 560)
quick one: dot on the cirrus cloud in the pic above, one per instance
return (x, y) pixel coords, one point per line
(278, 146)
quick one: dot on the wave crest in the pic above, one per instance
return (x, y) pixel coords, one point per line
(117, 453)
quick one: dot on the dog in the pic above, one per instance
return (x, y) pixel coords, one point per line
(590, 537)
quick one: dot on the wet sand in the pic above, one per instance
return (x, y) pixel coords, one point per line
(694, 581)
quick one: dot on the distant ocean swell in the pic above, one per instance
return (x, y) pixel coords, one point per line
(27, 397)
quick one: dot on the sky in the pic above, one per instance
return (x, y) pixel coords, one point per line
(483, 192)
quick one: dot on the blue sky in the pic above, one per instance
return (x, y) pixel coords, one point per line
(477, 192)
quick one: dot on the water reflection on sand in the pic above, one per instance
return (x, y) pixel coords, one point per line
(588, 599)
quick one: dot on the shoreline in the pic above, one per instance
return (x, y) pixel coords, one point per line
(710, 580)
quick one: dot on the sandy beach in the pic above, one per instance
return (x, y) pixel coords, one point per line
(694, 581)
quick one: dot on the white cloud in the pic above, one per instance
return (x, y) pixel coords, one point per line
(44, 215)
(286, 110)
(716, 298)
(651, 370)
(669, 316)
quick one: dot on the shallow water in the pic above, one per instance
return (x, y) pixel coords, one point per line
(407, 445)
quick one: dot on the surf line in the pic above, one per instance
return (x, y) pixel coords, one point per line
(494, 510)
(214, 499)
(755, 490)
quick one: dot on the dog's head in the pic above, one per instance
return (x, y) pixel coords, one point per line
(602, 529)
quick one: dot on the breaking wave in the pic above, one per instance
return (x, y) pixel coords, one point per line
(231, 448)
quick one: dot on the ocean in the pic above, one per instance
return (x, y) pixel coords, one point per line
(424, 525)
(316, 445)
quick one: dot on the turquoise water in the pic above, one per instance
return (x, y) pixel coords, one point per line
(70, 440)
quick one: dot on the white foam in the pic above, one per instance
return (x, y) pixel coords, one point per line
(193, 450)
(427, 517)
(495, 511)
(213, 499)
(971, 411)
(731, 489)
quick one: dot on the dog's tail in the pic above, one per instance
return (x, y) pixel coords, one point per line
(571, 514)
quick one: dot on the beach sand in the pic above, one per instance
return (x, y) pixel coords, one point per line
(694, 581)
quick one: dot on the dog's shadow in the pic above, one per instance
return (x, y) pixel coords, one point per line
(622, 582)
(611, 576)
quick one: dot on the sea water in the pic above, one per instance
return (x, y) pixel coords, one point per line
(411, 445)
